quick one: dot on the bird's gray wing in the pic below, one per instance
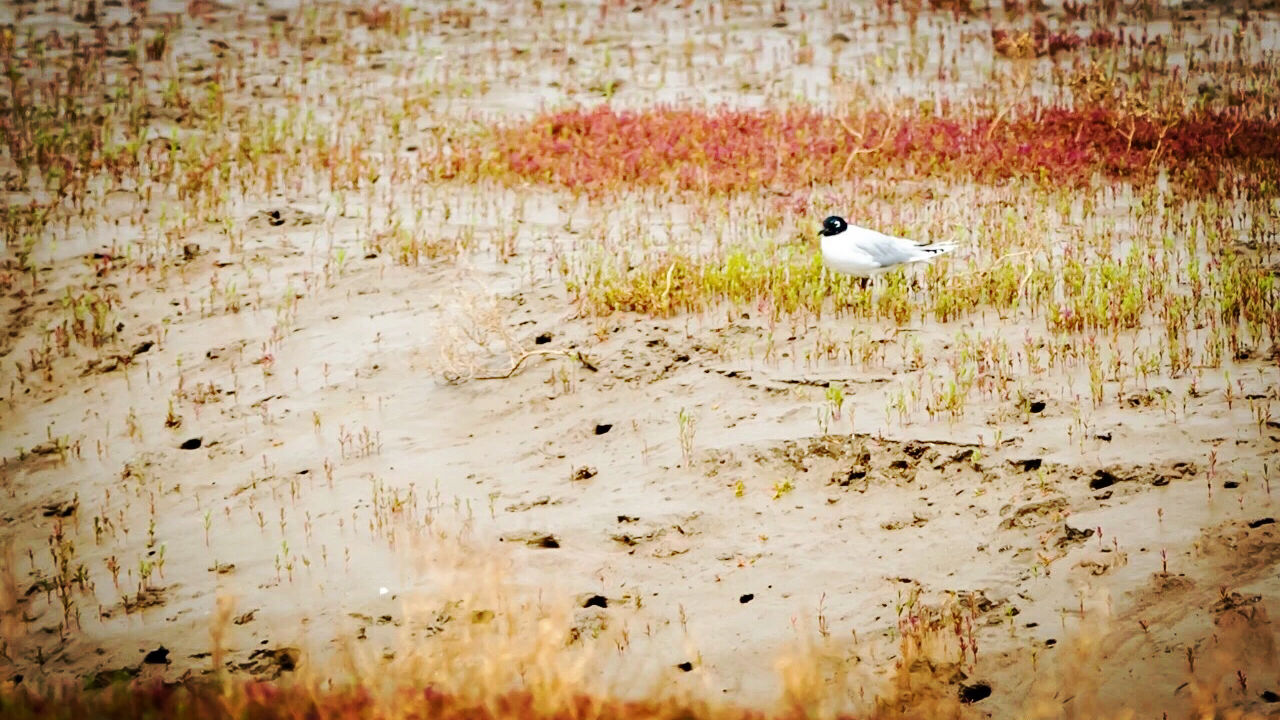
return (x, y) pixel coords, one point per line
(886, 250)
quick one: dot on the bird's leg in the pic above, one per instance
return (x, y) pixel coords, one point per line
(864, 283)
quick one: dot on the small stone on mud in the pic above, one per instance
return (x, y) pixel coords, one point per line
(1262, 521)
(1267, 695)
(1037, 406)
(685, 666)
(542, 339)
(1101, 479)
(586, 472)
(191, 444)
(599, 601)
(975, 692)
(159, 656)
(602, 428)
(190, 251)
(747, 598)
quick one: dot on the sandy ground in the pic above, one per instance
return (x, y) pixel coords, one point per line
(332, 471)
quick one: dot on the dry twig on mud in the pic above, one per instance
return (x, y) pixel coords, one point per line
(570, 354)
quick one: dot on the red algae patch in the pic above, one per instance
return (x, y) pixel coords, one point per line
(722, 151)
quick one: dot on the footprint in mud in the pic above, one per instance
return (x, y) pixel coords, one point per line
(145, 598)
(533, 538)
(279, 217)
(1072, 536)
(588, 624)
(663, 539)
(975, 692)
(1031, 514)
(107, 678)
(916, 520)
(271, 663)
(1103, 562)
(63, 509)
(540, 501)
(1155, 475)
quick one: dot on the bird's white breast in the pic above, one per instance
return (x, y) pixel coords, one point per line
(842, 255)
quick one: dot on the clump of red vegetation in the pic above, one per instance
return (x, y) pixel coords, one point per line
(268, 701)
(720, 151)
(1040, 41)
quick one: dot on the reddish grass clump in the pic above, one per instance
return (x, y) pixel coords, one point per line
(268, 701)
(722, 151)
(1039, 41)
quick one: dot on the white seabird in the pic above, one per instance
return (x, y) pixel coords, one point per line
(861, 252)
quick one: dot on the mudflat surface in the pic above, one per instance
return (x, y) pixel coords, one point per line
(293, 400)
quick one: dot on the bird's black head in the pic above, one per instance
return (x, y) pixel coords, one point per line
(833, 225)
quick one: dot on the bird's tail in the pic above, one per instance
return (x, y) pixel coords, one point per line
(939, 248)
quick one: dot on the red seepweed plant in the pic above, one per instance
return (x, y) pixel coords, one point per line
(725, 150)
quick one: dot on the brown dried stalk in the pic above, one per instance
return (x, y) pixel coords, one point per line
(570, 354)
